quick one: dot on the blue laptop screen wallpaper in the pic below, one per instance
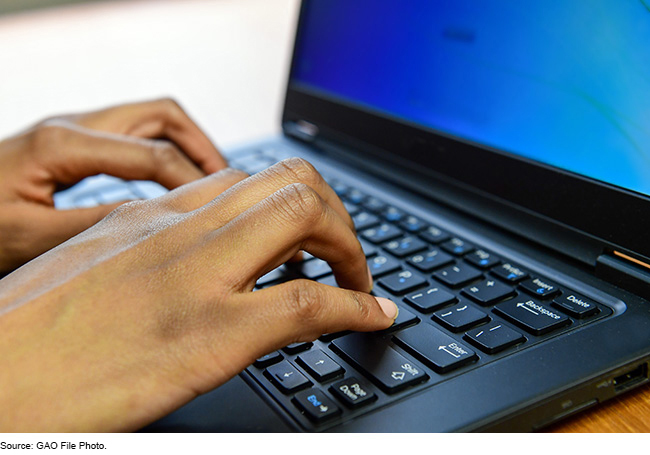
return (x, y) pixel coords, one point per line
(562, 82)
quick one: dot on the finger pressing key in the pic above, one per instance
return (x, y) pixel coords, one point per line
(302, 310)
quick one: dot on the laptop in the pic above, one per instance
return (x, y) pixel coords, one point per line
(495, 158)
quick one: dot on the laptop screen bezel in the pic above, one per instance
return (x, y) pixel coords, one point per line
(611, 214)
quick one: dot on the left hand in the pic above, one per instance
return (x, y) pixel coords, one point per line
(153, 140)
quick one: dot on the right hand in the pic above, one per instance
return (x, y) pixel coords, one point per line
(154, 305)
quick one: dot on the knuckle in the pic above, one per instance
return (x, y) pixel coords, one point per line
(169, 104)
(299, 203)
(300, 170)
(127, 210)
(304, 302)
(50, 134)
(362, 304)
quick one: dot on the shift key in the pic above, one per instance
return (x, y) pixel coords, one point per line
(386, 367)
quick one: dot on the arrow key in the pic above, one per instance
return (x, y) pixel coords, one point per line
(319, 365)
(286, 377)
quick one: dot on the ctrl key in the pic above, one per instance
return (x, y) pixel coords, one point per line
(316, 405)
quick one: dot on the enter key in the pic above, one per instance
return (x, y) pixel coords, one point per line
(437, 349)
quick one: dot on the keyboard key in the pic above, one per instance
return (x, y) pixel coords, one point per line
(374, 205)
(87, 200)
(434, 235)
(355, 196)
(482, 259)
(489, 291)
(430, 299)
(387, 368)
(295, 348)
(405, 246)
(576, 305)
(457, 275)
(273, 276)
(368, 248)
(393, 214)
(430, 260)
(457, 246)
(339, 188)
(540, 287)
(315, 268)
(412, 224)
(286, 378)
(460, 317)
(402, 282)
(437, 349)
(494, 337)
(316, 405)
(352, 392)
(382, 233)
(327, 337)
(351, 208)
(146, 189)
(249, 160)
(380, 265)
(116, 193)
(404, 319)
(329, 280)
(364, 220)
(319, 365)
(510, 273)
(532, 316)
(268, 359)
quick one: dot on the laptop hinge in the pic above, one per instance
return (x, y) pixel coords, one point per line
(302, 130)
(625, 272)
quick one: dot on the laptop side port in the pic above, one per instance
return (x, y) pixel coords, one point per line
(636, 376)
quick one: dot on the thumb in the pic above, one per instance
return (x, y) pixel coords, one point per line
(302, 310)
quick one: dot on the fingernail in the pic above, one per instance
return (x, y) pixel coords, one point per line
(388, 307)
(372, 283)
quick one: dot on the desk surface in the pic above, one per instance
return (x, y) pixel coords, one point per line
(224, 60)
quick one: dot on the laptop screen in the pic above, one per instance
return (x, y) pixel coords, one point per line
(563, 83)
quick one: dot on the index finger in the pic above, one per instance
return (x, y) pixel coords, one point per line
(163, 118)
(70, 153)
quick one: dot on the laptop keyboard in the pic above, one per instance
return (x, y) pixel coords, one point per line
(460, 306)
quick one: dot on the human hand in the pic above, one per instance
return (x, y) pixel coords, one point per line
(152, 306)
(143, 141)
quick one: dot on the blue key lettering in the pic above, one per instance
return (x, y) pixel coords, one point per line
(313, 400)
